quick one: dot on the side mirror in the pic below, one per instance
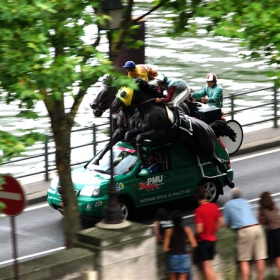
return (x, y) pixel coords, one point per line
(144, 172)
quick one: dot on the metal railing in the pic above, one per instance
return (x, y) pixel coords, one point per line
(274, 102)
(49, 149)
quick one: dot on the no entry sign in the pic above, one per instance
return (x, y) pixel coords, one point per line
(12, 195)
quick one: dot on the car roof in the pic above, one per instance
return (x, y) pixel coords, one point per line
(147, 145)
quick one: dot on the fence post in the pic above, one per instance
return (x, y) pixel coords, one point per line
(46, 159)
(94, 139)
(232, 105)
(275, 107)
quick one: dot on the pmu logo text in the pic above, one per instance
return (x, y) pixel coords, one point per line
(151, 184)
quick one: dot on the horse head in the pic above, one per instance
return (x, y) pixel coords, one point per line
(104, 98)
(123, 99)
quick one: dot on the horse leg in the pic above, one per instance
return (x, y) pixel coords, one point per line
(117, 136)
(130, 134)
(154, 135)
(223, 169)
(140, 154)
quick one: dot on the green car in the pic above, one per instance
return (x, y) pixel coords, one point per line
(181, 172)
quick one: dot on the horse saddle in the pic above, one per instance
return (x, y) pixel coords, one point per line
(186, 123)
(170, 114)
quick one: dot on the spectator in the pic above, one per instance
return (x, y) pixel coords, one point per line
(177, 91)
(208, 219)
(142, 71)
(161, 224)
(175, 244)
(250, 235)
(212, 93)
(269, 215)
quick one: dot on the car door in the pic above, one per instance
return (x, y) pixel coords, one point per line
(155, 188)
(186, 172)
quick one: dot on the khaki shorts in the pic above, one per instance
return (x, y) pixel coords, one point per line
(251, 244)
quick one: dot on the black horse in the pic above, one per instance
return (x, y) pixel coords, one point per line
(152, 123)
(124, 120)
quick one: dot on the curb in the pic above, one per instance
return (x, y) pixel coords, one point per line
(38, 199)
(257, 146)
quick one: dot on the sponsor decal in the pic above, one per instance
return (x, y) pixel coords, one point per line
(124, 149)
(151, 184)
(98, 203)
(148, 187)
(164, 196)
(119, 186)
(155, 180)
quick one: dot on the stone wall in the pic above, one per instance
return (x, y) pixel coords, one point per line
(64, 265)
(124, 254)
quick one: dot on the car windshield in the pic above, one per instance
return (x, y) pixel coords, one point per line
(123, 160)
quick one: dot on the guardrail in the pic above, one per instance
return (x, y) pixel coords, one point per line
(273, 102)
(92, 131)
(49, 151)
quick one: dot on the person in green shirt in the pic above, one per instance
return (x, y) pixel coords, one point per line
(212, 93)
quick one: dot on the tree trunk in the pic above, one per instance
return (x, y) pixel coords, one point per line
(72, 223)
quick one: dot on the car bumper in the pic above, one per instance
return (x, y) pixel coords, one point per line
(89, 207)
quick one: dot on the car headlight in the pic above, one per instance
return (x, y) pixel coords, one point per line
(90, 190)
(54, 183)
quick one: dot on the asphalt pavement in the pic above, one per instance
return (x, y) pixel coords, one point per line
(35, 187)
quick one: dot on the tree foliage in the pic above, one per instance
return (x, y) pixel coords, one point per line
(255, 23)
(44, 57)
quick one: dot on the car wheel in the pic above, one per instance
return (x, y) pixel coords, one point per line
(126, 209)
(212, 188)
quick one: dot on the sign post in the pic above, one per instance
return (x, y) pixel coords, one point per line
(13, 196)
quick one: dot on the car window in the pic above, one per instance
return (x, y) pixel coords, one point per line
(163, 158)
(123, 161)
(125, 164)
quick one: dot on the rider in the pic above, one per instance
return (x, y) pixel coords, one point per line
(212, 93)
(142, 71)
(177, 91)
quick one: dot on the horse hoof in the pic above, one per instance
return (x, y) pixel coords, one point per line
(231, 185)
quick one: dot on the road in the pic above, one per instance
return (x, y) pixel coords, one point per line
(39, 229)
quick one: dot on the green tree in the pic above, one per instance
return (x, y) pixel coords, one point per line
(255, 23)
(11, 145)
(44, 58)
(182, 12)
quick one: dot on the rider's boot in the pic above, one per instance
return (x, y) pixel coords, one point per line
(176, 118)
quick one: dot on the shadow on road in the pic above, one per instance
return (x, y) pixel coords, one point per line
(146, 215)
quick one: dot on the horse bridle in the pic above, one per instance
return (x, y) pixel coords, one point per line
(125, 123)
(102, 104)
(144, 102)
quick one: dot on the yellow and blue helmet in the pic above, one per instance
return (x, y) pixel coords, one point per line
(125, 94)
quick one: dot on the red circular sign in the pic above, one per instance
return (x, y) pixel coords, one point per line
(12, 195)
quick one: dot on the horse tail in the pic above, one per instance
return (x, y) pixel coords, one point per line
(221, 128)
(193, 107)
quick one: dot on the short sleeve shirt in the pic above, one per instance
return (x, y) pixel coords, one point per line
(207, 214)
